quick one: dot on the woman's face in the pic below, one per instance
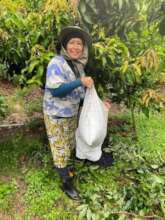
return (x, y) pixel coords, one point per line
(75, 48)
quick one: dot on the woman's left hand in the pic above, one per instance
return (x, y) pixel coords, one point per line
(87, 81)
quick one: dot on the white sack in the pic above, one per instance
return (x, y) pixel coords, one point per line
(92, 127)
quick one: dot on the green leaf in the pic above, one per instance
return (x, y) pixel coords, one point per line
(40, 70)
(83, 210)
(157, 179)
(154, 166)
(120, 4)
(82, 7)
(33, 65)
(89, 214)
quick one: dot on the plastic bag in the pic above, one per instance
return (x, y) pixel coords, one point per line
(92, 127)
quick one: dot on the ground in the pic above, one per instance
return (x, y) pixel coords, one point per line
(25, 106)
(29, 188)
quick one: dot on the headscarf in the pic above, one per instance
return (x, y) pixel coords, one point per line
(79, 64)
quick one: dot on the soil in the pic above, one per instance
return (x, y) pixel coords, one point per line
(7, 88)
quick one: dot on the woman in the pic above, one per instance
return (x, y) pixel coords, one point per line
(64, 91)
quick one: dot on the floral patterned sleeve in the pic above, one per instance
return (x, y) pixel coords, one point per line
(54, 75)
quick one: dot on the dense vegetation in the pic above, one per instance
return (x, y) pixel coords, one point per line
(127, 62)
(128, 57)
(28, 32)
(127, 49)
(133, 188)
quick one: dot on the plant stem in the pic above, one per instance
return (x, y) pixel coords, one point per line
(129, 214)
(133, 122)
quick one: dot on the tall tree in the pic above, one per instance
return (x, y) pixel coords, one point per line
(121, 16)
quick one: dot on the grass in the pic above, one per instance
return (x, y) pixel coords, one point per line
(133, 188)
(154, 138)
(7, 193)
(34, 106)
(22, 103)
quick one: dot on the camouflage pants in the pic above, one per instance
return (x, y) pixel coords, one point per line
(61, 135)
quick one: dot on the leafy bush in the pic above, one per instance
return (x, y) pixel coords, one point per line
(34, 106)
(34, 73)
(126, 75)
(3, 71)
(117, 16)
(28, 28)
(129, 69)
(133, 188)
(122, 16)
(3, 106)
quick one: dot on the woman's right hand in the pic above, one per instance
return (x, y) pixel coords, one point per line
(87, 81)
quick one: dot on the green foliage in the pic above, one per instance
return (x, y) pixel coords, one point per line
(120, 70)
(43, 194)
(138, 173)
(18, 150)
(34, 73)
(116, 16)
(3, 106)
(129, 69)
(137, 44)
(133, 188)
(162, 18)
(121, 16)
(3, 71)
(125, 190)
(34, 106)
(28, 31)
(7, 192)
(35, 123)
(31, 162)
(153, 137)
(127, 73)
(147, 38)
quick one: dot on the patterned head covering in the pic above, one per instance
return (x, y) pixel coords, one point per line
(72, 32)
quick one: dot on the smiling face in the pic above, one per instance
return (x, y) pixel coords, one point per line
(75, 48)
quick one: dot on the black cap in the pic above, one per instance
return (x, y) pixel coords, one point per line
(72, 32)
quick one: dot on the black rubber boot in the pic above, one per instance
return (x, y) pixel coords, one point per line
(67, 183)
(70, 190)
(106, 160)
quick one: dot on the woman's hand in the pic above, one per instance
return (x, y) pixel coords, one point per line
(107, 103)
(87, 81)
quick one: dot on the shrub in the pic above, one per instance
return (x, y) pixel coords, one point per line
(3, 106)
(28, 28)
